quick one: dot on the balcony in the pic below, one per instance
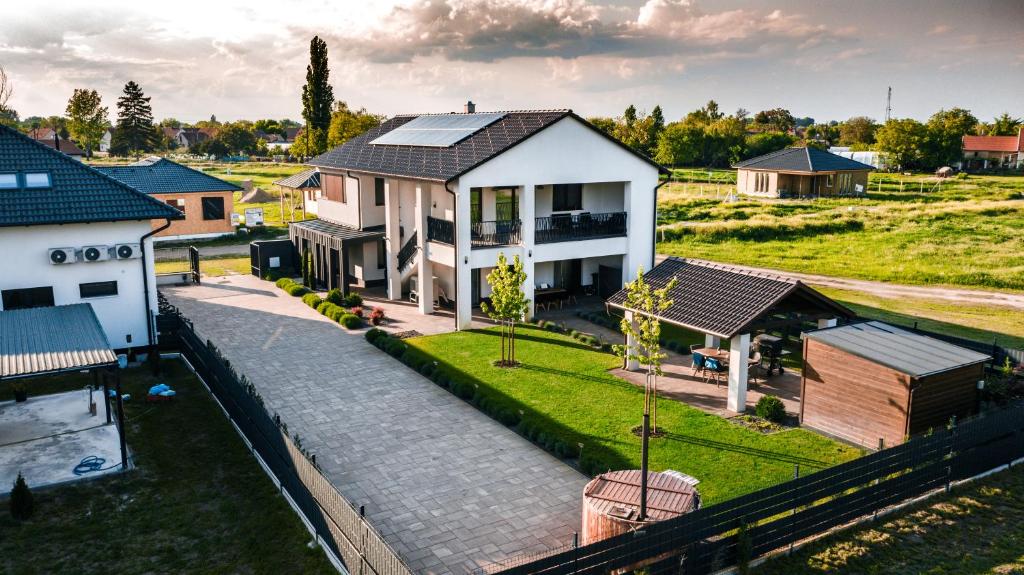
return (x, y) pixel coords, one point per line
(439, 230)
(583, 226)
(496, 233)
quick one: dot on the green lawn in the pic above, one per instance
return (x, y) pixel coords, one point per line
(196, 503)
(564, 389)
(210, 266)
(979, 528)
(984, 323)
(911, 230)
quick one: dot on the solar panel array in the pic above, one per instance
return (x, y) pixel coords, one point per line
(438, 131)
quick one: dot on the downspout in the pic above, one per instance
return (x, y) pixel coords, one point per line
(150, 332)
(455, 227)
(654, 238)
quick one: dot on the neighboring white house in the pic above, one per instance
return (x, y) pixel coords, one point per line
(106, 139)
(69, 234)
(426, 203)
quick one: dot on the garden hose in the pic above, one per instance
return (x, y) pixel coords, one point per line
(92, 464)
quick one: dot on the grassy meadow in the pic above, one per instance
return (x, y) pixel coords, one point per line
(909, 229)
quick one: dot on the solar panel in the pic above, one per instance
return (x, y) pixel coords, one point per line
(438, 131)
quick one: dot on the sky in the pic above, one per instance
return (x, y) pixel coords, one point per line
(237, 59)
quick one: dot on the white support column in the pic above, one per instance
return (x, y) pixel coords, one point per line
(426, 277)
(827, 322)
(631, 364)
(463, 263)
(739, 351)
(712, 340)
(392, 239)
(527, 211)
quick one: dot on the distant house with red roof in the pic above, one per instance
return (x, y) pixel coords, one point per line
(984, 152)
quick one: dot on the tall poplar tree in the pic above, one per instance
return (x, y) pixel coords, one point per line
(135, 132)
(317, 98)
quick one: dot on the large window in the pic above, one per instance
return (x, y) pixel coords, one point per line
(27, 297)
(506, 204)
(213, 208)
(567, 197)
(97, 289)
(378, 191)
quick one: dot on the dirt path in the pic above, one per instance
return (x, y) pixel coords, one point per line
(889, 290)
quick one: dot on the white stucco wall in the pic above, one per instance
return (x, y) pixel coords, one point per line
(24, 263)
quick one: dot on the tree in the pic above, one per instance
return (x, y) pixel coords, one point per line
(508, 303)
(21, 499)
(347, 123)
(857, 130)
(1003, 125)
(87, 119)
(7, 114)
(238, 138)
(681, 144)
(654, 130)
(135, 132)
(170, 123)
(767, 142)
(643, 332)
(776, 119)
(299, 147)
(606, 125)
(944, 141)
(902, 140)
(317, 98)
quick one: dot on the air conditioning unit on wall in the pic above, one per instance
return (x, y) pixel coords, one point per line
(92, 254)
(127, 251)
(58, 256)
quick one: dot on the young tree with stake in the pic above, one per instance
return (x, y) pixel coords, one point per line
(509, 303)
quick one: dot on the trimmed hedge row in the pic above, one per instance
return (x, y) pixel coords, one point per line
(493, 403)
(587, 338)
(325, 306)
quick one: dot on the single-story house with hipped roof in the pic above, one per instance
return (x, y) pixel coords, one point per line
(801, 172)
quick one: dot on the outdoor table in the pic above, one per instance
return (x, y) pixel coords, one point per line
(547, 295)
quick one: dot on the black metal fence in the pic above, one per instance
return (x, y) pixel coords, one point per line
(495, 233)
(569, 227)
(439, 230)
(747, 527)
(337, 523)
(407, 251)
(182, 261)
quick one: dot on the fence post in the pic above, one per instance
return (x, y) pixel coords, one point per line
(796, 475)
(952, 444)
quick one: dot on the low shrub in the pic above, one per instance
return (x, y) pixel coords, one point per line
(323, 306)
(351, 321)
(335, 313)
(334, 296)
(21, 500)
(357, 311)
(353, 300)
(296, 290)
(376, 316)
(312, 300)
(281, 283)
(770, 407)
(374, 336)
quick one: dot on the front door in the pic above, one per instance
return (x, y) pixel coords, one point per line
(474, 281)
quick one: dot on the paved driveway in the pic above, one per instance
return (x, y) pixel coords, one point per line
(449, 487)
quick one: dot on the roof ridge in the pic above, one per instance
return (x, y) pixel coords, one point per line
(741, 270)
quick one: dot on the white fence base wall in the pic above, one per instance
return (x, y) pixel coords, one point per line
(334, 559)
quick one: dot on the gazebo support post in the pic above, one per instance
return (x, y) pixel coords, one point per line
(96, 377)
(827, 322)
(739, 353)
(712, 341)
(120, 422)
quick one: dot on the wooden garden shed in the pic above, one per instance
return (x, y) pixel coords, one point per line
(870, 383)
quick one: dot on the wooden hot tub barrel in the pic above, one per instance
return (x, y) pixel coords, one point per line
(611, 502)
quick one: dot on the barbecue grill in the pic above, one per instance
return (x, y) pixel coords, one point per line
(771, 351)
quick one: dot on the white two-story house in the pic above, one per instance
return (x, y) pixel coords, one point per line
(424, 204)
(72, 235)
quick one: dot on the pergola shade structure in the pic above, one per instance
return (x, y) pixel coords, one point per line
(57, 339)
(327, 243)
(725, 302)
(304, 182)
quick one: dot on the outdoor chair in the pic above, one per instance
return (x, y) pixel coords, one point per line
(714, 369)
(755, 369)
(698, 363)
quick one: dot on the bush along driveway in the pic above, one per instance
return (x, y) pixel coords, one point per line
(564, 399)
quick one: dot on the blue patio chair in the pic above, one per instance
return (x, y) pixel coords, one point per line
(698, 363)
(713, 369)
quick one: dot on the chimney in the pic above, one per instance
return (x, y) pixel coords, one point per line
(56, 141)
(470, 107)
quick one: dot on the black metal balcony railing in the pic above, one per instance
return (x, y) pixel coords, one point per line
(439, 230)
(584, 226)
(496, 233)
(407, 251)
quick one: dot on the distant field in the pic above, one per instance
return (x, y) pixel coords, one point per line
(909, 229)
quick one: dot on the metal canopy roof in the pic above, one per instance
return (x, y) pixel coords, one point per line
(43, 340)
(724, 301)
(437, 130)
(907, 352)
(337, 231)
(304, 179)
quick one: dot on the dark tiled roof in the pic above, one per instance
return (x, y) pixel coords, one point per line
(78, 193)
(304, 179)
(66, 146)
(725, 301)
(161, 176)
(905, 351)
(51, 339)
(802, 160)
(445, 164)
